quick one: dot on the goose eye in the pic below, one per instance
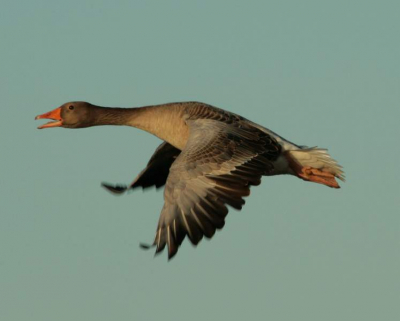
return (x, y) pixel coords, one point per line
(71, 107)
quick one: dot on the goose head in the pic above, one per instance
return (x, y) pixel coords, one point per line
(76, 114)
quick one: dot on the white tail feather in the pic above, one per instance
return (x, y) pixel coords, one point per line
(318, 158)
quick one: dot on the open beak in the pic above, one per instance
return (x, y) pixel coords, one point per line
(54, 115)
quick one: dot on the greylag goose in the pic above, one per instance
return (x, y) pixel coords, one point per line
(208, 160)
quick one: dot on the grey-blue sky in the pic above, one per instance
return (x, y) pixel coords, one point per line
(318, 73)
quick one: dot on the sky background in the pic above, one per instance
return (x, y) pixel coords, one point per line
(323, 73)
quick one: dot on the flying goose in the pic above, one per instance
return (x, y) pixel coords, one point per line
(208, 160)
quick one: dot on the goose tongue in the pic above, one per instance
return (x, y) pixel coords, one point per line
(55, 115)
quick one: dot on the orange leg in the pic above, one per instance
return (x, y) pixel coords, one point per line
(317, 176)
(311, 174)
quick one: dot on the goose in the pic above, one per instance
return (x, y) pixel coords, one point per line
(208, 160)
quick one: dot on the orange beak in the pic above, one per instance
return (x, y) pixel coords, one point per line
(55, 115)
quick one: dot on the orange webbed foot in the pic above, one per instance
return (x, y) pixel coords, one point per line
(317, 176)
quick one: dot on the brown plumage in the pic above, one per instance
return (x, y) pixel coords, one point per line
(208, 161)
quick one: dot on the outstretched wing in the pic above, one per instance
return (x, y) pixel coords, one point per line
(216, 168)
(155, 173)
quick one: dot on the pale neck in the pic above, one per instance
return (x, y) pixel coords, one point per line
(164, 121)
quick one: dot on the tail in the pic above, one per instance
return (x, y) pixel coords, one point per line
(316, 165)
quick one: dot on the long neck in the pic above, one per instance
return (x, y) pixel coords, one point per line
(164, 121)
(115, 115)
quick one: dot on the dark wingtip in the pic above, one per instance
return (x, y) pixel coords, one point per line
(115, 189)
(145, 246)
(171, 255)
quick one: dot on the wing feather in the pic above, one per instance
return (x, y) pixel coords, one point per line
(220, 162)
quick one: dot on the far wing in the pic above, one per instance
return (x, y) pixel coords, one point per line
(155, 173)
